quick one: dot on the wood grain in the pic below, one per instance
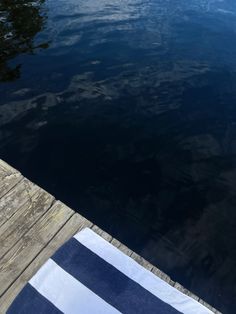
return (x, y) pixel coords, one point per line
(9, 177)
(15, 199)
(24, 218)
(31, 244)
(73, 225)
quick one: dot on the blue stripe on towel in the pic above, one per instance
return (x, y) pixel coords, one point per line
(29, 301)
(107, 282)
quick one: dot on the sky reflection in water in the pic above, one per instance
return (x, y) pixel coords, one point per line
(125, 110)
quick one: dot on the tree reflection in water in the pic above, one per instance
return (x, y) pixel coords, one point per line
(20, 21)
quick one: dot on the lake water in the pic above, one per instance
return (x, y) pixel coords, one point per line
(126, 111)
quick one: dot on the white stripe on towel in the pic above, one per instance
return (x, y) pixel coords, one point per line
(136, 272)
(67, 293)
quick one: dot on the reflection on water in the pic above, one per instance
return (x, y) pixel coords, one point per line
(20, 21)
(129, 116)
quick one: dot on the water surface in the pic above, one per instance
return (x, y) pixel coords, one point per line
(125, 110)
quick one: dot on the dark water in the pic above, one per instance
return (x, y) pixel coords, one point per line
(126, 111)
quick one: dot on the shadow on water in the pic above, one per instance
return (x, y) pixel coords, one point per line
(129, 117)
(20, 22)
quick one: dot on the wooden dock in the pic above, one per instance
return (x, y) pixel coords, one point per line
(33, 225)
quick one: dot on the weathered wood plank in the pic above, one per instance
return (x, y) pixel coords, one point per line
(31, 244)
(25, 217)
(162, 275)
(141, 261)
(9, 177)
(102, 233)
(15, 199)
(73, 225)
(121, 247)
(209, 306)
(185, 291)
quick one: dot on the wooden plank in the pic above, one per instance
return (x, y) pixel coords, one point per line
(140, 260)
(9, 177)
(31, 244)
(185, 291)
(15, 199)
(123, 248)
(24, 218)
(73, 225)
(102, 233)
(162, 275)
(209, 306)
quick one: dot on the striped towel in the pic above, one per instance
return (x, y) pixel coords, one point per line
(88, 275)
